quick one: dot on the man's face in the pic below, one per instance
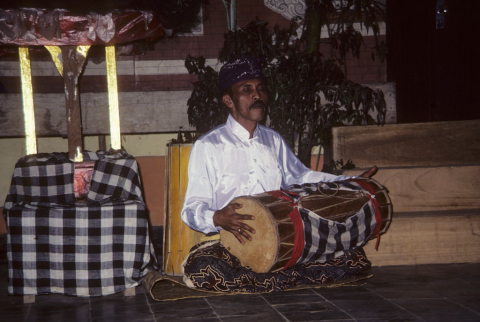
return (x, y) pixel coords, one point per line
(249, 102)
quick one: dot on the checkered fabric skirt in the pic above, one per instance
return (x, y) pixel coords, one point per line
(325, 239)
(56, 244)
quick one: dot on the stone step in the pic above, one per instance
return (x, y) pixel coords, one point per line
(409, 145)
(430, 188)
(436, 237)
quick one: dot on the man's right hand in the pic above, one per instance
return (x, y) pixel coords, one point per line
(229, 220)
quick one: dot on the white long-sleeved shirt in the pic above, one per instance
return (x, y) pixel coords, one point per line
(225, 163)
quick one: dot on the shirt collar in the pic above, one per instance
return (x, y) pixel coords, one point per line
(239, 130)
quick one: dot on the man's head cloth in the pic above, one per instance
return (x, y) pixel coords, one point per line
(240, 68)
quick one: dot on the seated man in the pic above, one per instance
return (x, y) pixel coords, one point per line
(240, 157)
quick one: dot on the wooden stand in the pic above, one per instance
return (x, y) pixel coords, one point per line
(28, 299)
(129, 292)
(73, 62)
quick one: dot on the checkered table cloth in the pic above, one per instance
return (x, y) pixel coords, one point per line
(58, 245)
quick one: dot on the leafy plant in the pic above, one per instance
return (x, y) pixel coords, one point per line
(205, 110)
(309, 93)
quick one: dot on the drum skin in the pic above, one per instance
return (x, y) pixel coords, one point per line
(273, 242)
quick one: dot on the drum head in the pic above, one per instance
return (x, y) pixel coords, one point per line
(260, 253)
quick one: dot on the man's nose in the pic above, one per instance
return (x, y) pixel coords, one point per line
(256, 95)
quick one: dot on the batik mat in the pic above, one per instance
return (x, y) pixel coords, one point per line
(210, 270)
(170, 288)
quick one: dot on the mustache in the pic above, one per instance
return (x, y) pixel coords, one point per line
(258, 104)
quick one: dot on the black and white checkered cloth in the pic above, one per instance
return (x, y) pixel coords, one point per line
(57, 245)
(326, 239)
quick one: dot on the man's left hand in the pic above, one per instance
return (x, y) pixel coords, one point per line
(370, 173)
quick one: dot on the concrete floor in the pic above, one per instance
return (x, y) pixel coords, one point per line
(448, 292)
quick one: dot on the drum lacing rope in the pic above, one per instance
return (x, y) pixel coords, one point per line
(336, 191)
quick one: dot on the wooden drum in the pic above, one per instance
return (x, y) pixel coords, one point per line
(275, 238)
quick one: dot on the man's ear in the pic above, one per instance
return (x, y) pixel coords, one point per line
(227, 100)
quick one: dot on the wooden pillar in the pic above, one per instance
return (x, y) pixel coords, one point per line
(27, 96)
(115, 138)
(69, 61)
(73, 62)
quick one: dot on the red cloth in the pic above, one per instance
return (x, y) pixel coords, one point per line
(82, 177)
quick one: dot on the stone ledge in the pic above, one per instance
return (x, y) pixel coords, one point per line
(425, 239)
(430, 188)
(409, 145)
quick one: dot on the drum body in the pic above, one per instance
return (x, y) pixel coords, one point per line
(178, 237)
(274, 241)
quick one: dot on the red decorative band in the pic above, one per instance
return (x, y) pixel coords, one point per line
(299, 242)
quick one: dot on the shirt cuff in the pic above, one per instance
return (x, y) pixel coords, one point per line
(342, 177)
(209, 220)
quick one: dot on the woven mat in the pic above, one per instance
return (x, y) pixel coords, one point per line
(170, 288)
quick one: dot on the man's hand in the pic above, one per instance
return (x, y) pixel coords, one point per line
(370, 173)
(229, 220)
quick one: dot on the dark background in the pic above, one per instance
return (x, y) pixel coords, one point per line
(435, 70)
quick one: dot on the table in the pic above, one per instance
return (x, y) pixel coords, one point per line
(57, 244)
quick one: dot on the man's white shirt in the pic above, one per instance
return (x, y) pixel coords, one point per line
(225, 163)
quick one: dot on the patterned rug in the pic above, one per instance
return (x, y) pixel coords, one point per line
(210, 270)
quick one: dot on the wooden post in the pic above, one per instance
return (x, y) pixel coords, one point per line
(27, 95)
(71, 71)
(28, 299)
(102, 142)
(115, 139)
(129, 292)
